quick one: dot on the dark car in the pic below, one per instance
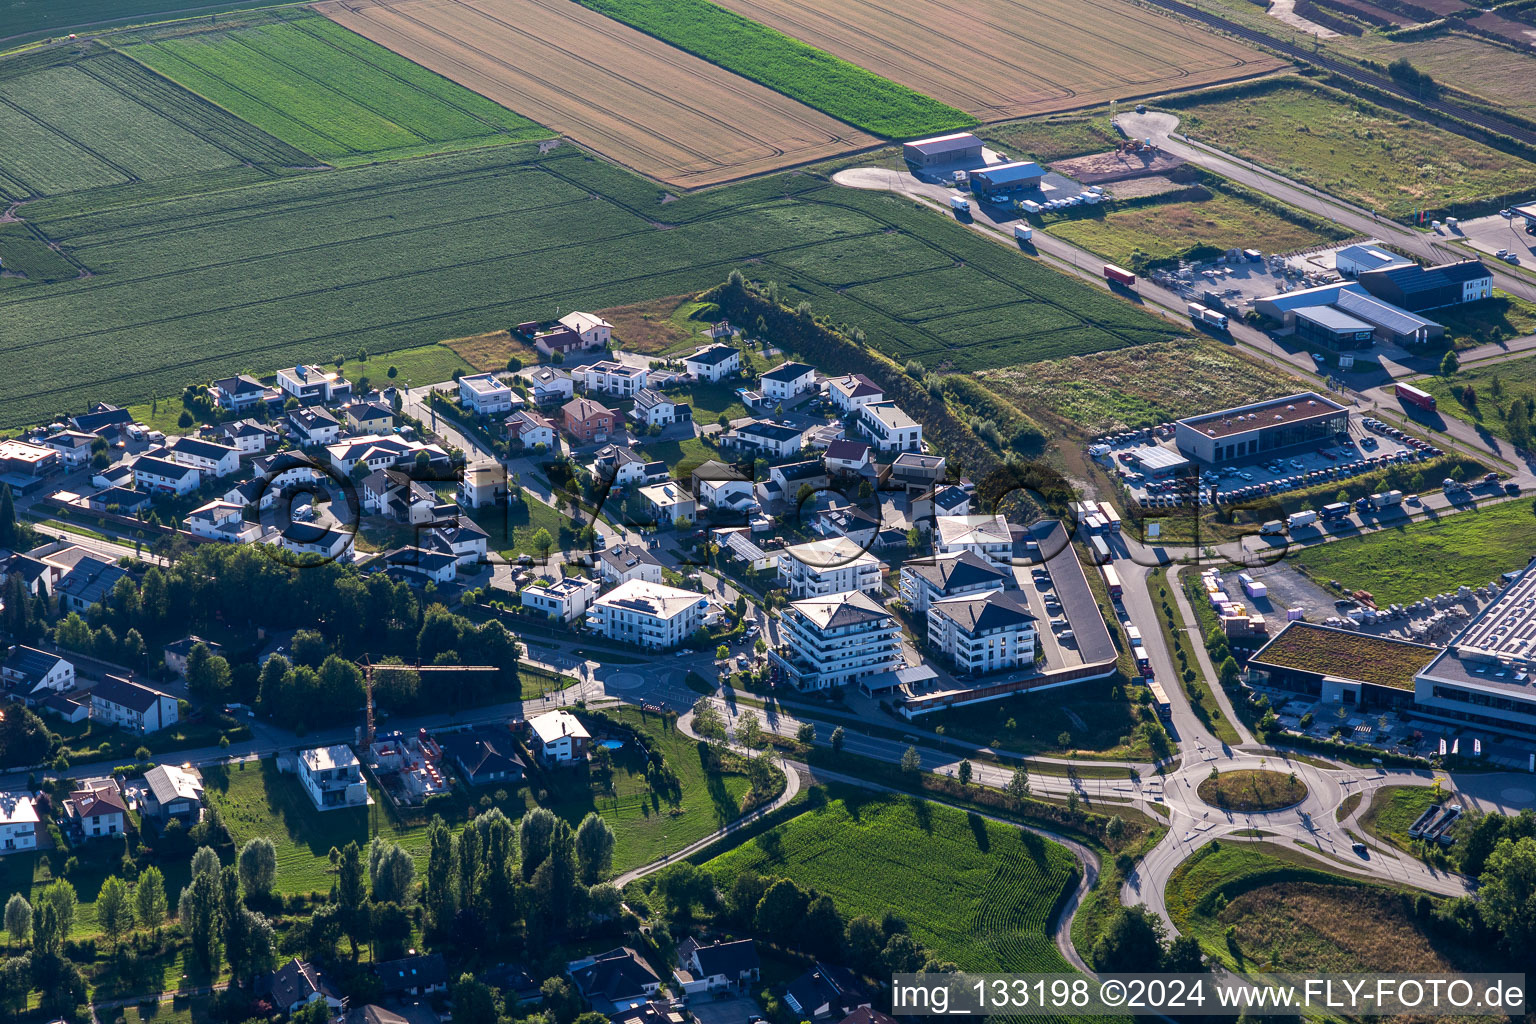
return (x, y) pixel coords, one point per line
(1360, 850)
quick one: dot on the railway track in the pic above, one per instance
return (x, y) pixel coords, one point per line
(1346, 70)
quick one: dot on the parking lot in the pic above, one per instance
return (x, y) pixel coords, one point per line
(1495, 234)
(1369, 445)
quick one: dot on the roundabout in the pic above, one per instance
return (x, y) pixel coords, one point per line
(1251, 790)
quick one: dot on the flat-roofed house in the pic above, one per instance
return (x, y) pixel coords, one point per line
(559, 737)
(648, 614)
(484, 394)
(332, 777)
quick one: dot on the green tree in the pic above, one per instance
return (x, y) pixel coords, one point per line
(205, 861)
(199, 913)
(1518, 423)
(149, 898)
(722, 652)
(8, 528)
(1018, 784)
(964, 773)
(1230, 672)
(781, 911)
(61, 897)
(1508, 891)
(437, 887)
(911, 761)
(535, 837)
(561, 1000)
(114, 908)
(1450, 364)
(749, 729)
(1132, 942)
(391, 872)
(258, 867)
(805, 733)
(349, 893)
(594, 848)
(542, 542)
(836, 740)
(18, 920)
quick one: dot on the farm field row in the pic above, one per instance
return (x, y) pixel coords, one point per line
(328, 91)
(974, 892)
(1401, 565)
(627, 95)
(22, 20)
(403, 254)
(1353, 149)
(1003, 59)
(788, 65)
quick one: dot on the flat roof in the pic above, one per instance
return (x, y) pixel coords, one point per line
(1362, 657)
(1296, 408)
(1012, 171)
(1497, 649)
(1333, 319)
(1158, 457)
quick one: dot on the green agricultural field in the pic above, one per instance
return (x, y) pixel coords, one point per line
(1107, 391)
(787, 65)
(1406, 563)
(1163, 230)
(22, 20)
(974, 892)
(401, 254)
(328, 91)
(1061, 137)
(1354, 149)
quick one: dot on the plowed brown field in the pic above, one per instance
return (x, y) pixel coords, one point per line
(632, 98)
(1001, 59)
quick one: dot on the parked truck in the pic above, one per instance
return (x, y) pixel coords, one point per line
(1335, 511)
(959, 203)
(1101, 553)
(1297, 519)
(1119, 275)
(1023, 232)
(1414, 396)
(1386, 499)
(1272, 528)
(1207, 317)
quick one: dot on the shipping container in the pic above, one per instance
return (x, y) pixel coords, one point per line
(1111, 517)
(1140, 654)
(1119, 275)
(1133, 635)
(1414, 396)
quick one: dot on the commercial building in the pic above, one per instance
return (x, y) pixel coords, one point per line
(1393, 326)
(955, 148)
(648, 614)
(1017, 174)
(1417, 288)
(825, 642)
(332, 777)
(1261, 429)
(983, 632)
(1487, 675)
(1337, 666)
(484, 394)
(1364, 257)
(1333, 328)
(835, 565)
(26, 459)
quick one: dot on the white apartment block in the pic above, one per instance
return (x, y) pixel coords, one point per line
(987, 536)
(483, 394)
(925, 581)
(833, 641)
(892, 429)
(564, 599)
(612, 378)
(128, 705)
(18, 823)
(983, 632)
(648, 614)
(821, 568)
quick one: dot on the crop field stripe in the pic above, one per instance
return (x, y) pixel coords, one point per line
(333, 36)
(193, 73)
(55, 130)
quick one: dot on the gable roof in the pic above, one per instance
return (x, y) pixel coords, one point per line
(788, 372)
(616, 975)
(731, 959)
(712, 355)
(30, 663)
(126, 693)
(157, 466)
(847, 451)
(965, 569)
(412, 972)
(169, 783)
(482, 751)
(91, 579)
(203, 449)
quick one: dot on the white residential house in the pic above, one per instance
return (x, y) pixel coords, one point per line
(248, 436)
(713, 363)
(612, 378)
(786, 381)
(559, 737)
(97, 813)
(312, 384)
(892, 429)
(381, 451)
(461, 537)
(549, 385)
(172, 792)
(766, 437)
(31, 674)
(945, 500)
(622, 563)
(852, 392)
(531, 429)
(926, 580)
(719, 485)
(18, 823)
(835, 565)
(310, 539)
(241, 392)
(669, 502)
(648, 614)
(208, 458)
(619, 466)
(332, 777)
(484, 484)
(132, 706)
(566, 599)
(653, 408)
(222, 520)
(825, 642)
(720, 965)
(986, 632)
(987, 536)
(594, 330)
(73, 446)
(313, 425)
(423, 564)
(484, 394)
(847, 457)
(163, 476)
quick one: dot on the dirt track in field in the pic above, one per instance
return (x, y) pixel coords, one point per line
(1002, 59)
(632, 98)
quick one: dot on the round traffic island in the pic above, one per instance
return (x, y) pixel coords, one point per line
(1252, 790)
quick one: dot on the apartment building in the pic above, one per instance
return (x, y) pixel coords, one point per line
(982, 633)
(835, 565)
(925, 581)
(832, 641)
(648, 614)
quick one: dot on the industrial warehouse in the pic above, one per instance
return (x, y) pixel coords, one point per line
(1261, 429)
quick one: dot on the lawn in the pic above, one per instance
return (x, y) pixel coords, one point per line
(1045, 139)
(1091, 395)
(1287, 915)
(402, 254)
(1159, 231)
(1250, 791)
(1394, 809)
(511, 527)
(787, 65)
(93, 741)
(1406, 563)
(1033, 724)
(1354, 149)
(1486, 395)
(682, 456)
(973, 891)
(327, 91)
(490, 351)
